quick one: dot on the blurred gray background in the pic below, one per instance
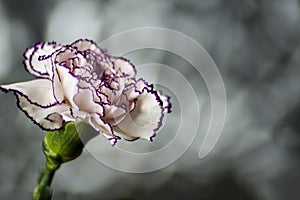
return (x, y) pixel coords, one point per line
(255, 44)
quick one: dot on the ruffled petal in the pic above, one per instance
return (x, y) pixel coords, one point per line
(114, 114)
(142, 85)
(86, 45)
(166, 100)
(38, 59)
(38, 92)
(68, 116)
(124, 67)
(69, 57)
(47, 118)
(65, 85)
(100, 125)
(145, 119)
(131, 92)
(85, 101)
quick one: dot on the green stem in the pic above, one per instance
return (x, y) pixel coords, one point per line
(43, 190)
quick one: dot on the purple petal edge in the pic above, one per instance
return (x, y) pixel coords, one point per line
(114, 137)
(169, 104)
(37, 46)
(159, 123)
(27, 98)
(16, 93)
(35, 122)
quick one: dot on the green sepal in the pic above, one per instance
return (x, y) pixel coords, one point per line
(62, 145)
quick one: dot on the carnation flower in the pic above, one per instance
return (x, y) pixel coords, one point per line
(82, 82)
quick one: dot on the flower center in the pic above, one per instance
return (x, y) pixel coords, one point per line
(100, 71)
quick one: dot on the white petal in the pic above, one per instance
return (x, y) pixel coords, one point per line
(38, 60)
(37, 91)
(114, 114)
(124, 135)
(65, 85)
(131, 93)
(166, 102)
(49, 118)
(68, 57)
(85, 44)
(124, 66)
(97, 123)
(141, 85)
(85, 102)
(68, 116)
(145, 119)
